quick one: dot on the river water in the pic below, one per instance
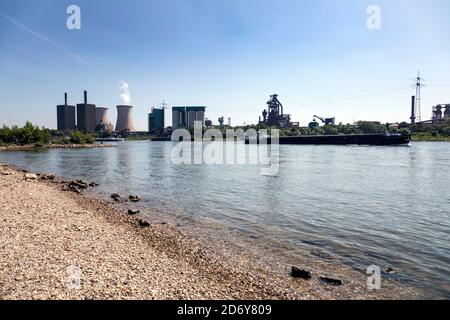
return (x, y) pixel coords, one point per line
(359, 205)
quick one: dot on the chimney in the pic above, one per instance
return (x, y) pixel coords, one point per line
(65, 98)
(413, 109)
(85, 97)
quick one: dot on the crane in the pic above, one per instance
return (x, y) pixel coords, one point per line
(326, 121)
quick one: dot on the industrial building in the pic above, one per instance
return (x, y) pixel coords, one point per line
(326, 121)
(441, 112)
(156, 120)
(65, 116)
(184, 117)
(125, 119)
(274, 115)
(86, 116)
(102, 120)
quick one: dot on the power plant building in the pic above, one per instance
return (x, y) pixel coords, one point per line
(65, 116)
(156, 120)
(125, 119)
(184, 117)
(86, 116)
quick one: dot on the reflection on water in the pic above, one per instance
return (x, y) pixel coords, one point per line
(363, 205)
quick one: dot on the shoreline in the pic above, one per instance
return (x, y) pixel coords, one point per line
(229, 273)
(47, 231)
(31, 147)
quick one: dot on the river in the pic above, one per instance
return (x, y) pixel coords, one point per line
(359, 205)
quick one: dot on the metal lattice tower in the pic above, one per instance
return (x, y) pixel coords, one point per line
(418, 98)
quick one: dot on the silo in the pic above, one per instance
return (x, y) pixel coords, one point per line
(125, 118)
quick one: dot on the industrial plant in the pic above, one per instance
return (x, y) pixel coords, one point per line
(66, 116)
(184, 117)
(274, 115)
(156, 120)
(325, 121)
(90, 119)
(86, 116)
(441, 112)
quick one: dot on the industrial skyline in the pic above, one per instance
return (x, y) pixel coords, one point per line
(325, 61)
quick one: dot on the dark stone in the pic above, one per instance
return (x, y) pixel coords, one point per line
(389, 270)
(93, 184)
(334, 282)
(115, 196)
(132, 211)
(74, 189)
(78, 184)
(134, 198)
(144, 224)
(82, 184)
(300, 273)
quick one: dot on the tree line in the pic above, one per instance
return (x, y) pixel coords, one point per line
(31, 134)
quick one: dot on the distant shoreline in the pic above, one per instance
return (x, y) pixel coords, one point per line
(31, 147)
(429, 138)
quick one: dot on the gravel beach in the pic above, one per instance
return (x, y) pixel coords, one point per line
(63, 245)
(56, 243)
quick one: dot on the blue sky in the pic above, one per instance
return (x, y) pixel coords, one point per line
(229, 55)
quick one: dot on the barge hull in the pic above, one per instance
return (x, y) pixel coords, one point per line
(369, 139)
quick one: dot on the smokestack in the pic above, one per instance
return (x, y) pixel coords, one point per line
(413, 109)
(65, 98)
(85, 97)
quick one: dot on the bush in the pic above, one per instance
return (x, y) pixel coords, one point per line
(29, 134)
(78, 137)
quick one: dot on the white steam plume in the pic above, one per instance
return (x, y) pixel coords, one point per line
(125, 93)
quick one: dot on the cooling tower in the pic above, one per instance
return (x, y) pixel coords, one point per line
(101, 116)
(124, 119)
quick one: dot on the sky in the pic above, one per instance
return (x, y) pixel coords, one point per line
(319, 56)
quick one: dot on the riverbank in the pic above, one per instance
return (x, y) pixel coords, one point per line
(63, 245)
(60, 243)
(429, 138)
(29, 147)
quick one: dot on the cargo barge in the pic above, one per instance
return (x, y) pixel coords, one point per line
(358, 139)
